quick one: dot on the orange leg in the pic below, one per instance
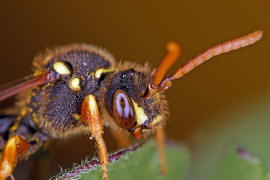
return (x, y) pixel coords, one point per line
(15, 147)
(122, 139)
(90, 115)
(160, 140)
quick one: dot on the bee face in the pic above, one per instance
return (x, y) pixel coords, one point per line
(126, 102)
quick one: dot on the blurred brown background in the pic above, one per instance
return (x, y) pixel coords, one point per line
(138, 31)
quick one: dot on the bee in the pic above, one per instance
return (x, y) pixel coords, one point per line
(78, 89)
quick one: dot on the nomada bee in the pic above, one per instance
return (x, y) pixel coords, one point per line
(80, 88)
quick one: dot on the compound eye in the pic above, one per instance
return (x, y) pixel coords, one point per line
(123, 110)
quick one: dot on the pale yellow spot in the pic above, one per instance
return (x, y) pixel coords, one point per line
(76, 116)
(92, 75)
(100, 71)
(74, 84)
(140, 115)
(23, 111)
(35, 119)
(61, 68)
(15, 126)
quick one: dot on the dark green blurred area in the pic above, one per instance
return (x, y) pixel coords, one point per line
(138, 31)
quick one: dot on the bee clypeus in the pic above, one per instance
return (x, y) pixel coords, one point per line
(80, 88)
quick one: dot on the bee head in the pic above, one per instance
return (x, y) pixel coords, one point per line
(126, 102)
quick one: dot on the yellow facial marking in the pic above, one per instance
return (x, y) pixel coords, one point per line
(156, 120)
(74, 84)
(140, 115)
(61, 68)
(100, 71)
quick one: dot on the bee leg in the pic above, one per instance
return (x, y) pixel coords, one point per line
(121, 138)
(160, 140)
(15, 147)
(90, 115)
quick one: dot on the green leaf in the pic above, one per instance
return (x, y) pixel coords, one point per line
(239, 165)
(266, 177)
(246, 126)
(140, 163)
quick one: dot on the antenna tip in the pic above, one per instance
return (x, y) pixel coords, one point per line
(173, 47)
(255, 36)
(259, 34)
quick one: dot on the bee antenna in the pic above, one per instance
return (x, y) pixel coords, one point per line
(173, 52)
(159, 85)
(217, 50)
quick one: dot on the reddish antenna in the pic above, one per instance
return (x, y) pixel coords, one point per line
(160, 83)
(173, 53)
